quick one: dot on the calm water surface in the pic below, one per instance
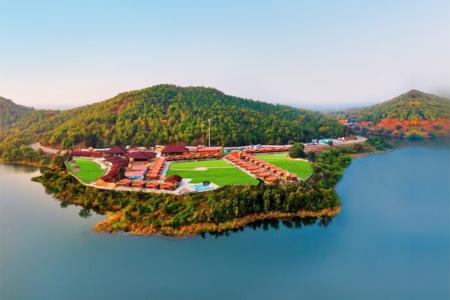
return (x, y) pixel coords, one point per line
(391, 241)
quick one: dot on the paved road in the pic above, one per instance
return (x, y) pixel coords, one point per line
(36, 146)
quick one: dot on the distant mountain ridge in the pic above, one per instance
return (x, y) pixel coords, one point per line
(11, 112)
(166, 114)
(414, 105)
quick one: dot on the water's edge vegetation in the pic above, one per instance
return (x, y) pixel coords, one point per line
(230, 207)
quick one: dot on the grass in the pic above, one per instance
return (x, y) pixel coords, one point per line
(301, 168)
(218, 171)
(89, 170)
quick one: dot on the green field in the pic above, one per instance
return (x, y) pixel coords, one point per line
(89, 170)
(301, 168)
(218, 172)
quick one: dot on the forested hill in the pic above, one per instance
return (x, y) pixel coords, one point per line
(166, 114)
(414, 105)
(11, 112)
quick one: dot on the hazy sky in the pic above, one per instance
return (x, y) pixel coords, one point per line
(304, 53)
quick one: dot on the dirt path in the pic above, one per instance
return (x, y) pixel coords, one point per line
(37, 145)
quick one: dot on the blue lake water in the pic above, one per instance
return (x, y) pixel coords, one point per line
(391, 241)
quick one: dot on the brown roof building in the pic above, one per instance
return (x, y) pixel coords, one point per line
(140, 156)
(174, 150)
(116, 150)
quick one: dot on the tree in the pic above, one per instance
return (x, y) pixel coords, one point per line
(297, 151)
(206, 183)
(121, 173)
(67, 143)
(85, 213)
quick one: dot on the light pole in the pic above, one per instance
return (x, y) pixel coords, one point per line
(209, 133)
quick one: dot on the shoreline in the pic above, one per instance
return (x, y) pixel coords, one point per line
(196, 229)
(37, 165)
(190, 215)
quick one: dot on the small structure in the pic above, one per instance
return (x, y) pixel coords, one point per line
(174, 150)
(125, 182)
(271, 179)
(174, 179)
(115, 160)
(167, 186)
(139, 183)
(116, 151)
(140, 156)
(293, 177)
(210, 150)
(152, 185)
(135, 174)
(139, 168)
(86, 154)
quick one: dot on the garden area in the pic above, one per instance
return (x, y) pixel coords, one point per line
(216, 171)
(301, 168)
(89, 170)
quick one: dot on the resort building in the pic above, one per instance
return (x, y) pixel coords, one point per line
(174, 150)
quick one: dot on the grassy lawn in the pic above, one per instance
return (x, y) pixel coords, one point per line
(218, 172)
(89, 170)
(301, 168)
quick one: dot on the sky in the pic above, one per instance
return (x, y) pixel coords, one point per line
(312, 54)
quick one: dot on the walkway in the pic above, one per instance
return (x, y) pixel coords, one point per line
(37, 146)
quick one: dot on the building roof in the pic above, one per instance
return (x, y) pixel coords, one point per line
(140, 155)
(174, 178)
(139, 168)
(174, 149)
(210, 149)
(134, 173)
(117, 150)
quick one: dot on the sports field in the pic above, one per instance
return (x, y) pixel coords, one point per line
(89, 170)
(216, 171)
(301, 168)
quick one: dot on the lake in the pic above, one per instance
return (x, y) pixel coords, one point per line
(391, 241)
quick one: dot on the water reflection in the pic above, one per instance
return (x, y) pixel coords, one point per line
(21, 169)
(43, 169)
(266, 224)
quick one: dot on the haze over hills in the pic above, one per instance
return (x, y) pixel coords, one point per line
(414, 115)
(165, 114)
(414, 105)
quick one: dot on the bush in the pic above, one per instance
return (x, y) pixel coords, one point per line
(415, 136)
(297, 151)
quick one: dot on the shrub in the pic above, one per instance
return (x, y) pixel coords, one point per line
(415, 136)
(297, 151)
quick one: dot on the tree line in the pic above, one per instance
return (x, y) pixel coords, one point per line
(414, 105)
(167, 114)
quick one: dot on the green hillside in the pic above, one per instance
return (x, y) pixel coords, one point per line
(11, 112)
(165, 114)
(414, 105)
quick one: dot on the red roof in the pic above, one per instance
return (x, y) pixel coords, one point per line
(211, 149)
(174, 149)
(140, 155)
(174, 178)
(117, 150)
(86, 153)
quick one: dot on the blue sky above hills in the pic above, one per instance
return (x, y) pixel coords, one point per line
(301, 53)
